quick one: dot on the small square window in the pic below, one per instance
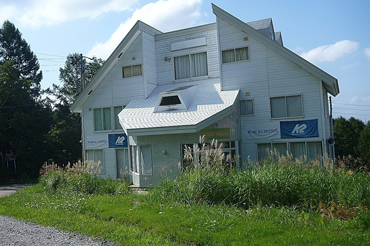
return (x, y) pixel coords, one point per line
(246, 107)
(132, 71)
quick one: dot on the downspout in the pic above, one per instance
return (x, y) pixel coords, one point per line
(331, 140)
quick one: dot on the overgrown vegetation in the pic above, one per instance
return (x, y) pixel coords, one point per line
(277, 202)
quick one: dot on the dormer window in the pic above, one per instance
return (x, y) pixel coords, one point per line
(177, 99)
(170, 100)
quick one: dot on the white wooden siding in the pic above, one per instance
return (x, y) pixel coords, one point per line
(165, 69)
(266, 75)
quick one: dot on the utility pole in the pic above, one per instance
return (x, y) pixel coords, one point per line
(83, 63)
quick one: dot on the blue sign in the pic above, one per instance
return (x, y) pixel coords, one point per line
(299, 129)
(117, 140)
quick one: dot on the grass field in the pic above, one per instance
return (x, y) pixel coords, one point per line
(269, 204)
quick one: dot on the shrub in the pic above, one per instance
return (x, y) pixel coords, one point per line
(278, 181)
(80, 178)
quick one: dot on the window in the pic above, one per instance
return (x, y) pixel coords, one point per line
(133, 160)
(117, 110)
(97, 156)
(122, 162)
(312, 150)
(234, 55)
(102, 119)
(146, 160)
(170, 100)
(246, 107)
(189, 66)
(286, 106)
(132, 71)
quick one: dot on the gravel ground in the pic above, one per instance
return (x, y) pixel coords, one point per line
(21, 233)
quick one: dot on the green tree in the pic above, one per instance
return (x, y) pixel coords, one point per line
(347, 136)
(65, 134)
(14, 48)
(70, 75)
(24, 119)
(364, 144)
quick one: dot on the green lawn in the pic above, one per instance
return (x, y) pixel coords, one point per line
(132, 219)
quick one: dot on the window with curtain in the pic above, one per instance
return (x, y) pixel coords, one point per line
(286, 106)
(234, 55)
(146, 160)
(131, 71)
(281, 148)
(298, 149)
(122, 162)
(117, 110)
(97, 156)
(314, 150)
(263, 150)
(190, 66)
(102, 119)
(133, 159)
(246, 107)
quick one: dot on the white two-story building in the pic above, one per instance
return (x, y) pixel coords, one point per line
(229, 80)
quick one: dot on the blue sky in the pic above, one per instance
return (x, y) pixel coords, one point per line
(332, 34)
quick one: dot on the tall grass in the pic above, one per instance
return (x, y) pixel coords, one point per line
(80, 178)
(279, 181)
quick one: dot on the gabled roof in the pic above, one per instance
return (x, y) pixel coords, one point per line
(209, 104)
(135, 31)
(330, 83)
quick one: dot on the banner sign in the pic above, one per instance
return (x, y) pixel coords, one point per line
(262, 131)
(117, 140)
(299, 129)
(219, 133)
(95, 142)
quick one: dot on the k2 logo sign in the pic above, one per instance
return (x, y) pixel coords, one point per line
(117, 140)
(120, 140)
(299, 129)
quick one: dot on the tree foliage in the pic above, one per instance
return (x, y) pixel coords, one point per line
(352, 138)
(14, 48)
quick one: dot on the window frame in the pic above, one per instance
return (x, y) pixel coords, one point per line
(235, 55)
(286, 107)
(116, 116)
(132, 71)
(103, 124)
(102, 162)
(191, 66)
(289, 148)
(246, 107)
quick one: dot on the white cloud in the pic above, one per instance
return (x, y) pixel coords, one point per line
(332, 52)
(164, 15)
(37, 13)
(367, 52)
(350, 66)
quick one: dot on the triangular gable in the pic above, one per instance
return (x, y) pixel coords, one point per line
(112, 60)
(330, 83)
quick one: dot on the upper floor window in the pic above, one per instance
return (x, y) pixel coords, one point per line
(189, 66)
(246, 107)
(131, 71)
(234, 55)
(102, 119)
(286, 106)
(117, 110)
